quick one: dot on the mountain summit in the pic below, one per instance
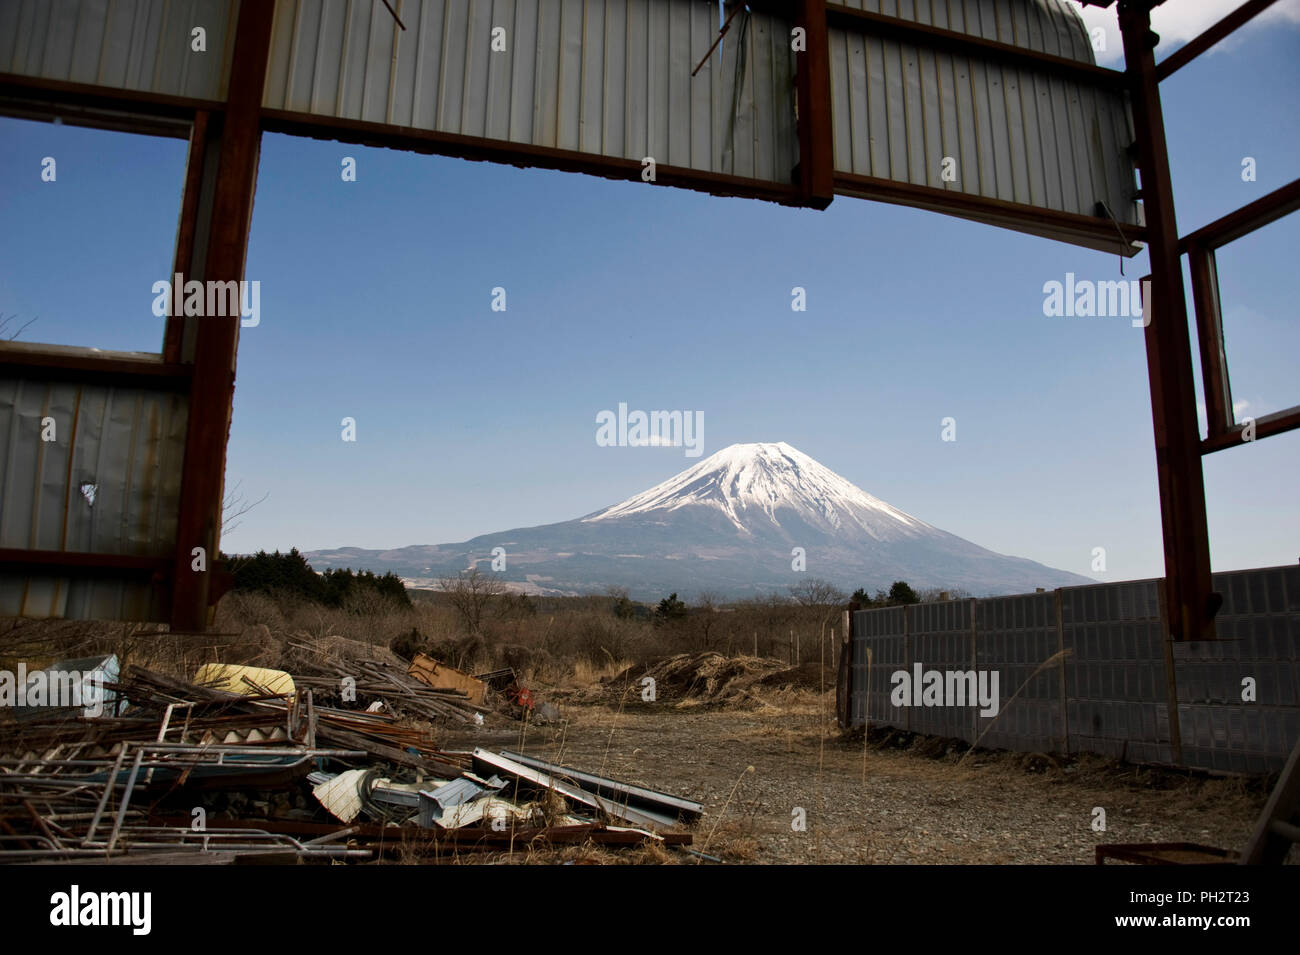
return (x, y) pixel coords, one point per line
(750, 519)
(753, 483)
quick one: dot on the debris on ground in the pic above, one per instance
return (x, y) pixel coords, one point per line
(337, 762)
(403, 690)
(439, 676)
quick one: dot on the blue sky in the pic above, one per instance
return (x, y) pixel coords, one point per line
(375, 304)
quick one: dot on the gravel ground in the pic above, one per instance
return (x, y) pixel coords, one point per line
(912, 807)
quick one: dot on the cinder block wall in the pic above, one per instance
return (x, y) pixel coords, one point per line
(1107, 690)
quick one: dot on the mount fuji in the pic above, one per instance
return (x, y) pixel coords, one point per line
(729, 525)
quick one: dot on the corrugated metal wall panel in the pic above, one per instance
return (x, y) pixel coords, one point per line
(124, 44)
(82, 599)
(606, 77)
(128, 443)
(1049, 26)
(1017, 135)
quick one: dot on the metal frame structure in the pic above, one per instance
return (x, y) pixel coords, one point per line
(1190, 601)
(198, 358)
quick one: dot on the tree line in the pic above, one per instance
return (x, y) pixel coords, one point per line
(290, 575)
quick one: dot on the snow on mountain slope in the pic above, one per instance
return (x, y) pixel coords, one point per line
(749, 482)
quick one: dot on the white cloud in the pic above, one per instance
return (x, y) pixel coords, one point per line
(1179, 21)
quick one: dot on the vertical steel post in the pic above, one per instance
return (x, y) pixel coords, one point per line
(217, 337)
(816, 172)
(1190, 605)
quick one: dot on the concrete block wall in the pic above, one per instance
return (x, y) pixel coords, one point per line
(1259, 638)
(1108, 690)
(1015, 636)
(884, 633)
(1116, 683)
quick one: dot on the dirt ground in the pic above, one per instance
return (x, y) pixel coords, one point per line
(754, 769)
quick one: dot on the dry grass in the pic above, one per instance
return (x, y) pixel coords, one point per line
(735, 840)
(586, 673)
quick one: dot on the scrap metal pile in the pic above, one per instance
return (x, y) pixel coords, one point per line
(247, 762)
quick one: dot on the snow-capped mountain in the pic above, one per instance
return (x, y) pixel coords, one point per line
(737, 523)
(751, 483)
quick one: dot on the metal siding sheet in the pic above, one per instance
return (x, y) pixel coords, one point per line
(606, 77)
(128, 44)
(130, 444)
(592, 107)
(1019, 135)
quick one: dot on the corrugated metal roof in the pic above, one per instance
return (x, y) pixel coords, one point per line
(124, 44)
(127, 444)
(606, 77)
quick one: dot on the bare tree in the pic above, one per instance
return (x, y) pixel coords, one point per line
(707, 603)
(6, 323)
(471, 592)
(235, 506)
(815, 592)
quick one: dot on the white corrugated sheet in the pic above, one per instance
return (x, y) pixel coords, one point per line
(1016, 135)
(125, 44)
(606, 77)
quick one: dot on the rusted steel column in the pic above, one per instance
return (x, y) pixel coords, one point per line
(217, 337)
(1209, 329)
(813, 89)
(183, 262)
(1190, 605)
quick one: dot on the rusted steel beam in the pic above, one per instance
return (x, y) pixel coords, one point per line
(521, 154)
(24, 361)
(1195, 47)
(154, 113)
(813, 89)
(1190, 603)
(1255, 215)
(1068, 226)
(55, 562)
(1209, 332)
(1265, 426)
(217, 337)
